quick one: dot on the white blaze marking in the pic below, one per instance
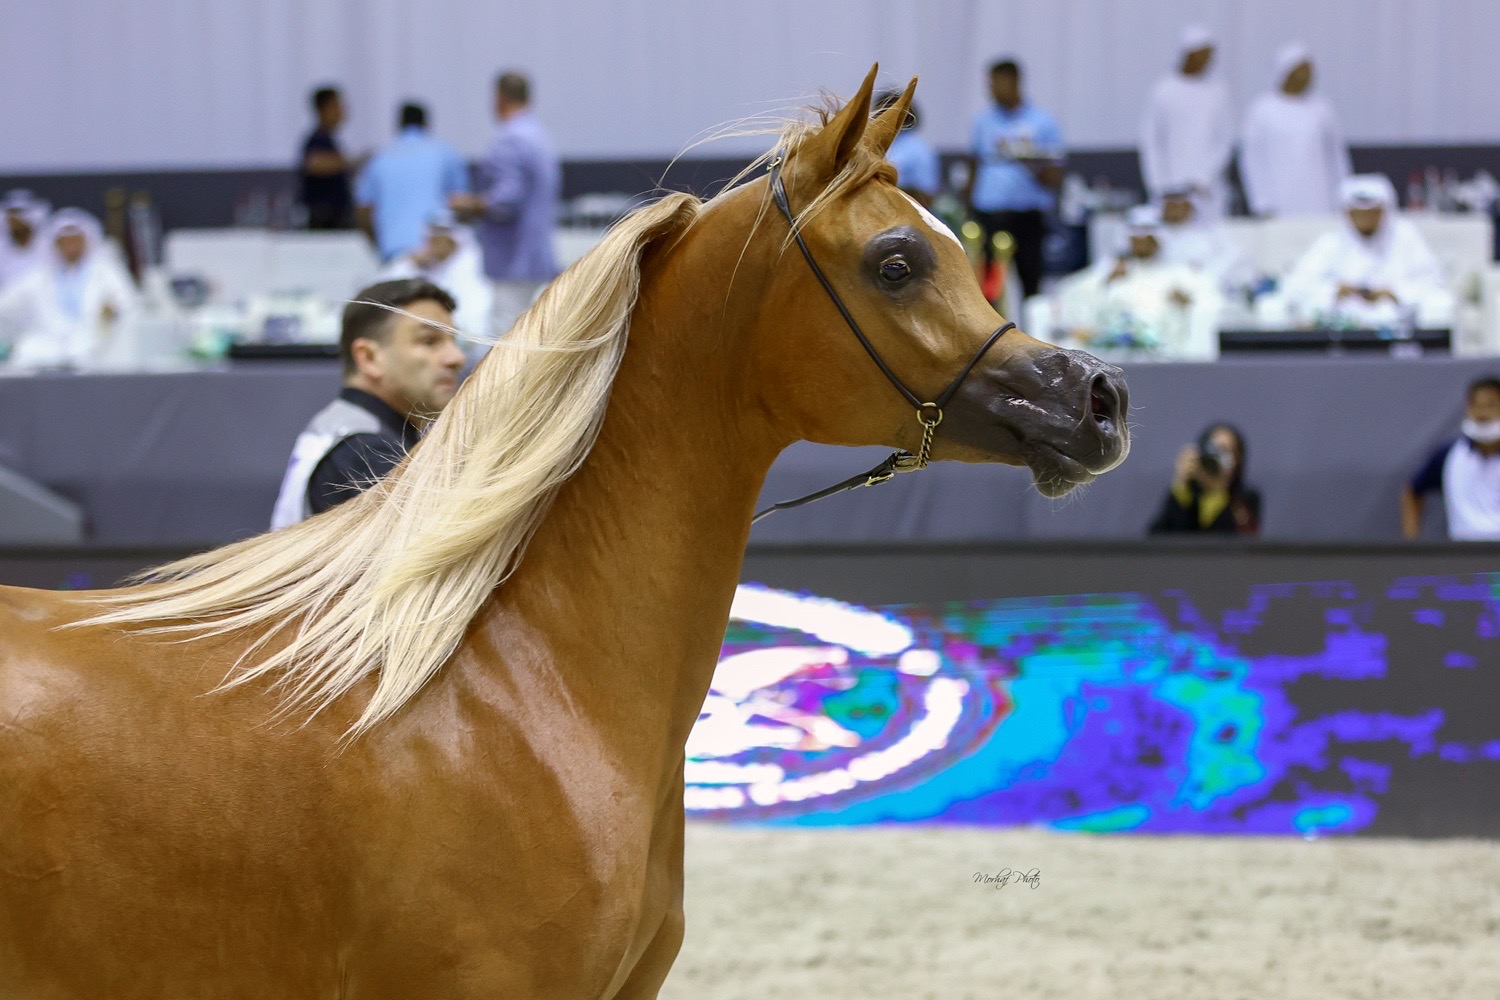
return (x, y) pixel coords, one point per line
(932, 220)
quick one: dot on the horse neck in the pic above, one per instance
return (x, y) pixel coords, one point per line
(625, 589)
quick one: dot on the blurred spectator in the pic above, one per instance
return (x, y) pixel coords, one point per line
(1208, 493)
(64, 310)
(916, 163)
(1466, 472)
(1195, 238)
(1376, 270)
(22, 248)
(449, 258)
(1187, 136)
(515, 204)
(1142, 302)
(325, 171)
(1016, 152)
(401, 368)
(405, 183)
(1292, 155)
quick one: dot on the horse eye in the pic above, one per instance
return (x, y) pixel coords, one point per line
(895, 269)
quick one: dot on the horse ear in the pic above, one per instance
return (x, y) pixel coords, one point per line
(826, 152)
(883, 130)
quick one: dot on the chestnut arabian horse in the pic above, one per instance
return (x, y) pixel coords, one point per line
(382, 755)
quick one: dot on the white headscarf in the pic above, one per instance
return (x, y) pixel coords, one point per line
(1193, 38)
(1370, 191)
(1288, 58)
(73, 220)
(1367, 191)
(1143, 220)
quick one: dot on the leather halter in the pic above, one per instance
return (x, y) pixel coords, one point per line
(929, 414)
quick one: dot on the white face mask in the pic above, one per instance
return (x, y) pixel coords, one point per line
(1482, 431)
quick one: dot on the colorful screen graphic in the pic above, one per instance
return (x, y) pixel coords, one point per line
(1305, 709)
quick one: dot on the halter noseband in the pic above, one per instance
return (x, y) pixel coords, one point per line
(929, 415)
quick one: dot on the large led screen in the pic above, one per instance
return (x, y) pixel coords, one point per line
(1308, 708)
(1259, 690)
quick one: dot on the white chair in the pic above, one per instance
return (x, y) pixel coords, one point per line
(333, 265)
(236, 262)
(1466, 245)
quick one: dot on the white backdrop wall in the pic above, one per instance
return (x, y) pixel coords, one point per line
(146, 84)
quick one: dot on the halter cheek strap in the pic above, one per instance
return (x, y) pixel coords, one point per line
(929, 414)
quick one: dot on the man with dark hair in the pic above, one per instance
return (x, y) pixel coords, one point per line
(401, 367)
(513, 87)
(1016, 156)
(1466, 472)
(406, 183)
(514, 207)
(324, 169)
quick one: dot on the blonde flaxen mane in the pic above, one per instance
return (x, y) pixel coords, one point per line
(388, 582)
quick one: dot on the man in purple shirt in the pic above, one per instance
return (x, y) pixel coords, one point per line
(514, 204)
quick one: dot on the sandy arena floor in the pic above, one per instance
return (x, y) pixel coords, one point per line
(880, 913)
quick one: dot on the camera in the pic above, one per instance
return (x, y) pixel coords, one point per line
(1214, 460)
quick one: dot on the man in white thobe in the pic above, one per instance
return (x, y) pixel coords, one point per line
(1187, 136)
(22, 247)
(1192, 237)
(1375, 270)
(1142, 304)
(65, 311)
(1293, 154)
(449, 257)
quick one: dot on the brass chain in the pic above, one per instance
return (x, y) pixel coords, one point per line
(929, 416)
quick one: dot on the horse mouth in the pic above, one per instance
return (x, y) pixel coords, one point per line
(1062, 414)
(1054, 472)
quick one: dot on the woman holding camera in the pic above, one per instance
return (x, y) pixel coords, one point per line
(1208, 494)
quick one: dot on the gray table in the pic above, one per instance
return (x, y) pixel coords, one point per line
(197, 457)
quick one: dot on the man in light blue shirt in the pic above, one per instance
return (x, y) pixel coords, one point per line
(1017, 154)
(514, 207)
(406, 183)
(916, 163)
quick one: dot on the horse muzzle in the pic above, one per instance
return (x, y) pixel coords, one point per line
(1062, 413)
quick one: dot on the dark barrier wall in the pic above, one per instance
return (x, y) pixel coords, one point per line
(1179, 688)
(197, 457)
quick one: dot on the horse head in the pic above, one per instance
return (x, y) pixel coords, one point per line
(875, 328)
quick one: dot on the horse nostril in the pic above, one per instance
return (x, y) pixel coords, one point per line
(1104, 401)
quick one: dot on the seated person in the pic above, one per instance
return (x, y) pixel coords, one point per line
(401, 368)
(1141, 301)
(1466, 472)
(1375, 271)
(449, 258)
(64, 311)
(1208, 493)
(1192, 238)
(21, 245)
